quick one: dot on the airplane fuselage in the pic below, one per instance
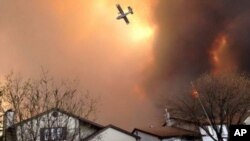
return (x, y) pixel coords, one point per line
(123, 15)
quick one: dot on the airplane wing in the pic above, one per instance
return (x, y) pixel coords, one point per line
(120, 9)
(126, 19)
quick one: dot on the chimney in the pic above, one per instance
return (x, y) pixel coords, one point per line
(8, 118)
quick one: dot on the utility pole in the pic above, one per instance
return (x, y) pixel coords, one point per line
(196, 95)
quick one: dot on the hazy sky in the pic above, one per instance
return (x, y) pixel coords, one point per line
(167, 44)
(82, 39)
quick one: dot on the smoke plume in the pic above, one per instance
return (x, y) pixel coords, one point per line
(196, 36)
(81, 39)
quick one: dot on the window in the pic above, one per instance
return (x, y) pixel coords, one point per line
(53, 134)
(59, 133)
(46, 134)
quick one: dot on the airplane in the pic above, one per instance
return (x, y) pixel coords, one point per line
(122, 14)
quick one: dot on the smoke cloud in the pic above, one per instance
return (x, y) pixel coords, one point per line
(186, 44)
(81, 39)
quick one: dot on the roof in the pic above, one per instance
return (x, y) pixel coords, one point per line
(237, 119)
(64, 112)
(167, 132)
(100, 127)
(108, 127)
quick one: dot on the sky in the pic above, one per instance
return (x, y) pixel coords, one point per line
(130, 67)
(82, 40)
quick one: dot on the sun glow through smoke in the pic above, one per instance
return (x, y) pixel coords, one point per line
(140, 31)
(141, 28)
(83, 39)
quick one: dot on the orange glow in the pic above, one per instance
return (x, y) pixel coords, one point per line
(99, 17)
(221, 61)
(139, 91)
(83, 39)
(141, 31)
(195, 93)
(219, 44)
(142, 28)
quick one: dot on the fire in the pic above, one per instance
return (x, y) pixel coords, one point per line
(219, 44)
(194, 93)
(220, 58)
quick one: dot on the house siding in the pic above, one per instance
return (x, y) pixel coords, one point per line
(206, 137)
(111, 134)
(146, 137)
(75, 132)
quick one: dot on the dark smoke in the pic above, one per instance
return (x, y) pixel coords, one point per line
(186, 32)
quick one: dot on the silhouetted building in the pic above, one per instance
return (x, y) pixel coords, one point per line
(56, 124)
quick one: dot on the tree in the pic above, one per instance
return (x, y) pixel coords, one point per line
(214, 101)
(30, 97)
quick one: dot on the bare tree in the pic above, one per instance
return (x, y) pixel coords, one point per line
(214, 101)
(30, 97)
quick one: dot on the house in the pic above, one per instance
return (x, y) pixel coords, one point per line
(206, 137)
(189, 125)
(205, 129)
(237, 120)
(57, 124)
(166, 134)
(169, 131)
(225, 132)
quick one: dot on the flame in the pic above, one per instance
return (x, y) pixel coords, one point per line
(194, 93)
(219, 44)
(221, 60)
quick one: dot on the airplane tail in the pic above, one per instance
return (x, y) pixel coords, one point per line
(130, 10)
